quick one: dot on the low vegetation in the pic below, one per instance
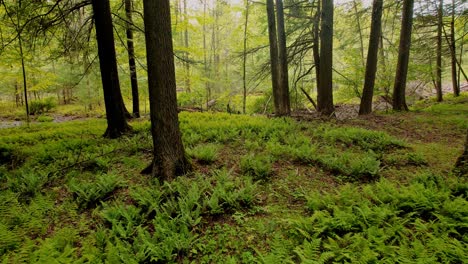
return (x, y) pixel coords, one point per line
(263, 191)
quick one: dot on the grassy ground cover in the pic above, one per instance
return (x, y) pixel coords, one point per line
(374, 190)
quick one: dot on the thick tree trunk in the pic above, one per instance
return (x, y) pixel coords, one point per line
(372, 58)
(115, 109)
(399, 89)
(131, 59)
(284, 107)
(169, 154)
(274, 60)
(440, 16)
(325, 90)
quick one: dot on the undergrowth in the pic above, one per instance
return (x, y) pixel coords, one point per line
(264, 191)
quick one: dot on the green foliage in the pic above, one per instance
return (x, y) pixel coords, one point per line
(384, 223)
(87, 194)
(43, 118)
(257, 166)
(365, 139)
(41, 106)
(206, 153)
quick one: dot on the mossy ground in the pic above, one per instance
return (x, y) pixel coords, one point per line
(377, 190)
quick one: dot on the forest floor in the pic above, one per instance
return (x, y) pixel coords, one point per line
(264, 190)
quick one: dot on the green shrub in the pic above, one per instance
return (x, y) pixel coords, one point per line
(41, 106)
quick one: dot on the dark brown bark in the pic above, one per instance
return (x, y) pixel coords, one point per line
(131, 59)
(169, 155)
(274, 60)
(325, 90)
(440, 15)
(461, 166)
(115, 109)
(372, 58)
(284, 105)
(453, 53)
(399, 89)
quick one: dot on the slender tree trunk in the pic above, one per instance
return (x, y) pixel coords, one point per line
(131, 59)
(115, 110)
(440, 15)
(283, 79)
(205, 55)
(453, 53)
(187, 54)
(359, 28)
(325, 90)
(244, 57)
(399, 89)
(372, 58)
(23, 68)
(17, 92)
(316, 46)
(274, 60)
(169, 154)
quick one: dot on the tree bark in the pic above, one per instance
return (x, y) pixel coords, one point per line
(316, 46)
(453, 53)
(186, 44)
(399, 89)
(115, 109)
(274, 60)
(461, 166)
(23, 66)
(169, 155)
(325, 90)
(372, 58)
(131, 59)
(284, 107)
(440, 15)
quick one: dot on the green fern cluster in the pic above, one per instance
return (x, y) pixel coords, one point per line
(424, 222)
(88, 194)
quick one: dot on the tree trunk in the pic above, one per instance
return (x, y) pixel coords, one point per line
(186, 44)
(274, 60)
(115, 112)
(131, 59)
(440, 16)
(399, 89)
(283, 79)
(453, 53)
(461, 166)
(316, 46)
(359, 29)
(325, 90)
(244, 57)
(169, 155)
(372, 58)
(205, 55)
